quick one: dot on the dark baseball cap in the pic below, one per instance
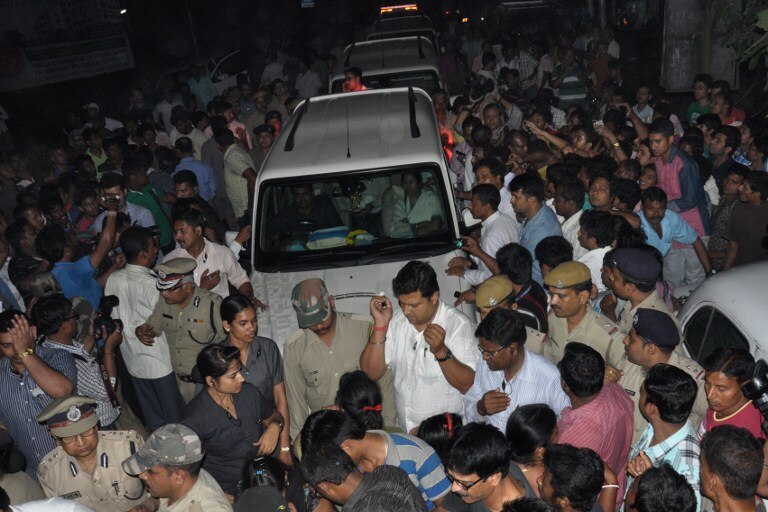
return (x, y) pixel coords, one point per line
(637, 264)
(657, 327)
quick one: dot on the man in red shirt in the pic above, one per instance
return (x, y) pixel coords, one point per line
(600, 416)
(353, 80)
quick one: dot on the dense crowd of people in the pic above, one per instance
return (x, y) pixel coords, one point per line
(133, 377)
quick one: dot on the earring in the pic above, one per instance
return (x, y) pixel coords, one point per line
(226, 330)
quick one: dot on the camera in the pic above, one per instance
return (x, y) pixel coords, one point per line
(103, 320)
(756, 389)
(110, 198)
(459, 243)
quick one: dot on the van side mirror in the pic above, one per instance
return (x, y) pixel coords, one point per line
(468, 220)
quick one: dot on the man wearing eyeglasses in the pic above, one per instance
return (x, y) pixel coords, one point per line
(86, 465)
(512, 375)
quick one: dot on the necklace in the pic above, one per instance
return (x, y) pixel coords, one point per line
(221, 403)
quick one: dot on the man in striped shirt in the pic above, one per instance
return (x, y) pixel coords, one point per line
(666, 400)
(374, 448)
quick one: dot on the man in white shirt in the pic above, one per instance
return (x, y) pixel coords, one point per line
(428, 345)
(491, 171)
(497, 231)
(569, 204)
(596, 236)
(510, 375)
(216, 264)
(307, 81)
(149, 365)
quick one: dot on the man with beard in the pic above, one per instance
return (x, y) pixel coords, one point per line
(327, 345)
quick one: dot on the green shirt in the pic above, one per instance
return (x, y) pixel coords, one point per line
(145, 199)
(695, 110)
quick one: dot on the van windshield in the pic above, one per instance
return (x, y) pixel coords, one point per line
(340, 218)
(423, 79)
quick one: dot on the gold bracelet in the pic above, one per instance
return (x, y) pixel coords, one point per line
(28, 352)
(379, 343)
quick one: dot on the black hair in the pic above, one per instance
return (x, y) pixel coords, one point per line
(626, 191)
(734, 363)
(328, 426)
(624, 235)
(51, 243)
(732, 137)
(83, 193)
(51, 314)
(672, 391)
(479, 449)
(6, 319)
(663, 488)
(233, 305)
(481, 134)
(386, 489)
(265, 472)
(438, 431)
(190, 216)
(15, 232)
(186, 176)
(326, 463)
(224, 137)
(739, 170)
(352, 70)
(558, 172)
(360, 398)
(487, 194)
(112, 180)
(5, 500)
(526, 504)
(515, 262)
(529, 184)
(736, 457)
(134, 240)
(529, 427)
(711, 121)
(703, 78)
(471, 122)
(601, 165)
(758, 182)
(654, 195)
(184, 145)
(215, 359)
(597, 224)
(502, 327)
(416, 276)
(553, 250)
(577, 474)
(573, 189)
(590, 135)
(662, 126)
(582, 368)
(496, 167)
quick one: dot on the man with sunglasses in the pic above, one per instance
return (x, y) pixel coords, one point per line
(512, 375)
(86, 465)
(188, 315)
(478, 469)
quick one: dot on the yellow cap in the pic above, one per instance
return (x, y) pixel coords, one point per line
(568, 274)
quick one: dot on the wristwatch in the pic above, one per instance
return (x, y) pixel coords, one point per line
(448, 356)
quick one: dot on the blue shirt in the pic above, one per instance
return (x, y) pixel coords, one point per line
(420, 462)
(534, 230)
(76, 280)
(204, 173)
(673, 229)
(23, 400)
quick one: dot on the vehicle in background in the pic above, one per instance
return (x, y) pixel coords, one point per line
(333, 201)
(728, 309)
(402, 23)
(390, 63)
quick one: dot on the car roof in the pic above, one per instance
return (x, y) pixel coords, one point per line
(388, 55)
(738, 293)
(399, 23)
(377, 124)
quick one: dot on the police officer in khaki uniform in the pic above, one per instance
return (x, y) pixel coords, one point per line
(188, 315)
(328, 345)
(653, 339)
(499, 292)
(85, 467)
(573, 319)
(634, 280)
(169, 464)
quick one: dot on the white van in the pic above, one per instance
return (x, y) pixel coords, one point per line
(388, 27)
(728, 309)
(333, 200)
(390, 63)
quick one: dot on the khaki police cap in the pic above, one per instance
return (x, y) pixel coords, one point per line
(173, 444)
(568, 274)
(69, 415)
(175, 272)
(493, 291)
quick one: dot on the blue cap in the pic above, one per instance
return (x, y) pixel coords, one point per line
(656, 327)
(637, 264)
